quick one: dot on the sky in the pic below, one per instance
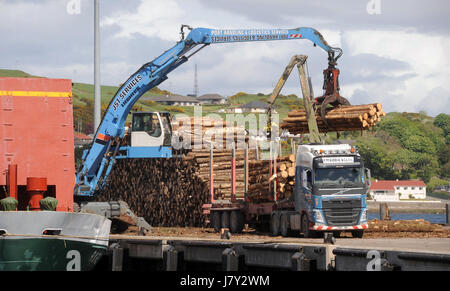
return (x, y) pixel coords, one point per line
(395, 52)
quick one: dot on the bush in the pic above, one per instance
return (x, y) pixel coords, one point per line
(147, 102)
(435, 182)
(174, 109)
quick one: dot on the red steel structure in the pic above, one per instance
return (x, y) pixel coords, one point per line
(36, 140)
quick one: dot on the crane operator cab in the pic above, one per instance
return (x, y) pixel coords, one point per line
(151, 135)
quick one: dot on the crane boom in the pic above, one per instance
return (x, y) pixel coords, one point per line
(99, 159)
(305, 84)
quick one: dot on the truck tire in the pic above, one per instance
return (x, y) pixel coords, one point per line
(225, 219)
(307, 233)
(217, 221)
(284, 225)
(236, 221)
(274, 224)
(358, 233)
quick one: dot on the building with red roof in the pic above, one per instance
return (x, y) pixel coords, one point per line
(81, 139)
(396, 190)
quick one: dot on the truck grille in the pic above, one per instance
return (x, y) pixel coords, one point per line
(341, 212)
(342, 216)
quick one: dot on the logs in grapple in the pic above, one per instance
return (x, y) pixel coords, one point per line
(344, 118)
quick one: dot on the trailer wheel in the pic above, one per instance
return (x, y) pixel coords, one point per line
(275, 224)
(217, 221)
(236, 222)
(307, 233)
(284, 225)
(225, 219)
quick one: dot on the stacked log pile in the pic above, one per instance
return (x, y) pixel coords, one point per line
(260, 178)
(221, 171)
(171, 192)
(344, 118)
(165, 192)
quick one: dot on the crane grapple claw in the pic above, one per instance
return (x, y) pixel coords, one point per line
(331, 95)
(335, 101)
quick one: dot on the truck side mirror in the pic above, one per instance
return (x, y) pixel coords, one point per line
(368, 177)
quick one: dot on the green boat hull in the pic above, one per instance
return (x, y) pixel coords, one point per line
(48, 254)
(52, 240)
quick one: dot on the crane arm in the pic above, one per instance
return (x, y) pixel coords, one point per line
(306, 87)
(112, 128)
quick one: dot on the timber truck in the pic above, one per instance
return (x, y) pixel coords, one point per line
(330, 194)
(331, 183)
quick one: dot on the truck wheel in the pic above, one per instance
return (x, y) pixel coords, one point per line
(217, 221)
(274, 224)
(358, 233)
(236, 222)
(225, 219)
(284, 225)
(307, 233)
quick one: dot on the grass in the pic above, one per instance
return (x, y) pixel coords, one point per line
(440, 195)
(16, 74)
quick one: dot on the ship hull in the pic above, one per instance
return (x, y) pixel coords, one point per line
(52, 241)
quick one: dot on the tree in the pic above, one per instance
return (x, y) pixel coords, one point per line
(443, 121)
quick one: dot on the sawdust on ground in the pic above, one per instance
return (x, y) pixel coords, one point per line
(377, 229)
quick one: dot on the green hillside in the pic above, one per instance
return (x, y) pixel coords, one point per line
(408, 146)
(16, 74)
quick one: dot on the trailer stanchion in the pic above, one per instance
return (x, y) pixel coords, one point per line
(211, 175)
(275, 175)
(270, 167)
(246, 174)
(233, 173)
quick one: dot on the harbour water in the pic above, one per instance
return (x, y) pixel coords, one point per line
(432, 218)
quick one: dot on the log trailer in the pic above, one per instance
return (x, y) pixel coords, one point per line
(331, 183)
(106, 147)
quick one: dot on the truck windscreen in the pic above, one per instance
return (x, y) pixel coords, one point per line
(339, 177)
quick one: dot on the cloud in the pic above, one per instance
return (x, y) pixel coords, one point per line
(152, 18)
(426, 58)
(398, 57)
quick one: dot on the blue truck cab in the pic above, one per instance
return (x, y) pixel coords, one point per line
(331, 190)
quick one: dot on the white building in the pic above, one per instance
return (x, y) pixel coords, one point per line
(212, 99)
(396, 190)
(174, 100)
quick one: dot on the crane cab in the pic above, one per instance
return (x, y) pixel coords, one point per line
(151, 135)
(151, 129)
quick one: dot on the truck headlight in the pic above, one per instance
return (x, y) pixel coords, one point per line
(364, 216)
(318, 216)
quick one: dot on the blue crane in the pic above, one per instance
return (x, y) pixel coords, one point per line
(99, 159)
